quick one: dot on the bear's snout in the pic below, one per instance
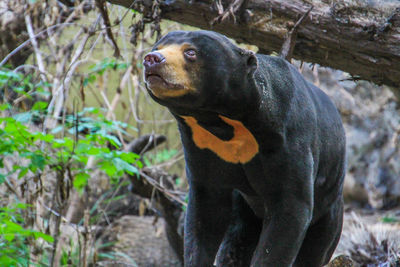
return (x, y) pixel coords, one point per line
(153, 59)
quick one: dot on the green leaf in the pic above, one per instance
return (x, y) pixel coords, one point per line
(13, 227)
(8, 74)
(47, 138)
(93, 150)
(129, 157)
(23, 172)
(45, 237)
(106, 256)
(108, 168)
(38, 160)
(5, 260)
(80, 158)
(81, 180)
(40, 105)
(91, 110)
(5, 106)
(113, 140)
(124, 166)
(178, 181)
(90, 79)
(9, 237)
(42, 92)
(65, 142)
(23, 117)
(22, 205)
(57, 129)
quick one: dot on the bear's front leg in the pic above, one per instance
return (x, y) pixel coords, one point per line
(288, 196)
(207, 218)
(283, 232)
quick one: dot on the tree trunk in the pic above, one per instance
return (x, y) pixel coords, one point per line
(358, 37)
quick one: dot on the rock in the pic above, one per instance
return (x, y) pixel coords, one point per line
(138, 241)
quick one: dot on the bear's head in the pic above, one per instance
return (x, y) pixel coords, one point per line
(199, 70)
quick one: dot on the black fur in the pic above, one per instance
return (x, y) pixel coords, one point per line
(283, 207)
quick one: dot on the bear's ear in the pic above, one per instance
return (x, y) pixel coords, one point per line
(251, 61)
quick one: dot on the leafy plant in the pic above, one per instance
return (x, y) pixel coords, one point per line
(13, 236)
(101, 67)
(64, 151)
(68, 152)
(14, 83)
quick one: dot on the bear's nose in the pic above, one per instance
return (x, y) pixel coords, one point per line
(153, 59)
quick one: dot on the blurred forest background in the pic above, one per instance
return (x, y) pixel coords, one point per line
(92, 170)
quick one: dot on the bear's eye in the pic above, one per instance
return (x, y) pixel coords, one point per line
(190, 54)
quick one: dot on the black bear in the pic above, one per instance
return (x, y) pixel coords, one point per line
(264, 151)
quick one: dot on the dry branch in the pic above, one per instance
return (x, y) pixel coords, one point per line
(358, 37)
(290, 40)
(101, 5)
(35, 45)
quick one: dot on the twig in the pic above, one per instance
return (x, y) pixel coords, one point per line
(101, 5)
(58, 93)
(113, 116)
(145, 143)
(117, 96)
(128, 9)
(122, 34)
(61, 203)
(219, 6)
(107, 206)
(290, 40)
(132, 101)
(170, 193)
(9, 186)
(57, 214)
(172, 161)
(18, 48)
(230, 11)
(86, 235)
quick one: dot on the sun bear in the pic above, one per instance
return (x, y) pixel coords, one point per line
(264, 152)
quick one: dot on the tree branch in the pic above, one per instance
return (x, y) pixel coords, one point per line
(290, 40)
(101, 5)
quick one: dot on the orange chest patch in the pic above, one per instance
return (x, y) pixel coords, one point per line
(240, 149)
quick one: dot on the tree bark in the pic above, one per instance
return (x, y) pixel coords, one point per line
(358, 37)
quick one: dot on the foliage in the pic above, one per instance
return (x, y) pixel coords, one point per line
(99, 69)
(13, 236)
(65, 151)
(24, 85)
(61, 153)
